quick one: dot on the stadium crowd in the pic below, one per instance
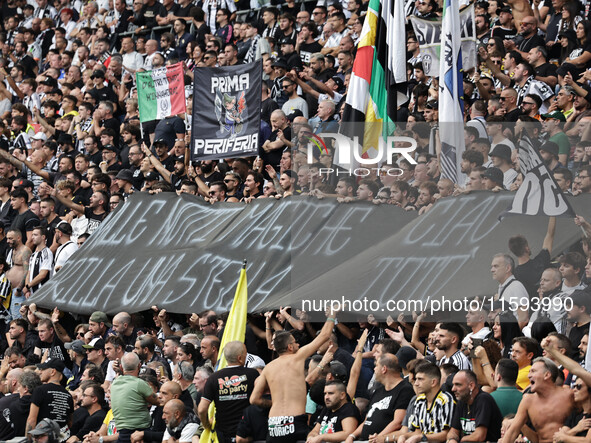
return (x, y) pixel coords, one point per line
(72, 150)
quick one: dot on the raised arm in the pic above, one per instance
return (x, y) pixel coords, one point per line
(549, 238)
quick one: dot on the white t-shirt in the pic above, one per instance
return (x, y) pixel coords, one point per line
(186, 435)
(63, 253)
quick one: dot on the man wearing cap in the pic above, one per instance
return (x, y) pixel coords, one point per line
(501, 158)
(96, 353)
(77, 354)
(51, 400)
(549, 153)
(338, 419)
(160, 146)
(505, 29)
(293, 59)
(280, 69)
(110, 155)
(99, 324)
(66, 247)
(493, 179)
(553, 123)
(47, 431)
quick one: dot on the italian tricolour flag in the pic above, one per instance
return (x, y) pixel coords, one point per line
(161, 92)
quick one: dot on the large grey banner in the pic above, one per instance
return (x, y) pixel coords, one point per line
(185, 255)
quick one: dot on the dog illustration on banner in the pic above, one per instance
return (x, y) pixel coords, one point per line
(228, 110)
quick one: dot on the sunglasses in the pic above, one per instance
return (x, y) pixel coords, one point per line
(230, 180)
(577, 387)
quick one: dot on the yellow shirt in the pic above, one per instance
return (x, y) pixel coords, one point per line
(522, 380)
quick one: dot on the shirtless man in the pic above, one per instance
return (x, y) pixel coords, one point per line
(287, 417)
(18, 260)
(548, 405)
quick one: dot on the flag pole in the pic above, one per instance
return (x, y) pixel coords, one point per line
(139, 114)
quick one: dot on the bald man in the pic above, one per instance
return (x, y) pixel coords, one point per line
(11, 395)
(123, 327)
(230, 390)
(174, 415)
(130, 397)
(168, 391)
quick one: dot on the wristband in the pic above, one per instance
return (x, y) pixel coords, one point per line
(320, 367)
(330, 319)
(484, 364)
(353, 436)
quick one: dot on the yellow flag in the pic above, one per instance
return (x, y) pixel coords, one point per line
(235, 330)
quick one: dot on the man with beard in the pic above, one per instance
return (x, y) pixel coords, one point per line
(176, 177)
(547, 406)
(208, 173)
(528, 37)
(145, 350)
(181, 424)
(448, 339)
(338, 419)
(477, 416)
(253, 186)
(18, 260)
(95, 212)
(525, 84)
(549, 153)
(482, 30)
(550, 288)
(232, 181)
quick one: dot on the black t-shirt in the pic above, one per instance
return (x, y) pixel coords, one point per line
(576, 334)
(254, 423)
(307, 49)
(147, 16)
(383, 405)
(56, 350)
(215, 177)
(94, 220)
(530, 273)
(6, 431)
(103, 94)
(25, 222)
(331, 422)
(267, 107)
(92, 423)
(505, 34)
(19, 412)
(115, 125)
(546, 70)
(482, 412)
(274, 157)
(168, 128)
(574, 420)
(54, 402)
(230, 389)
